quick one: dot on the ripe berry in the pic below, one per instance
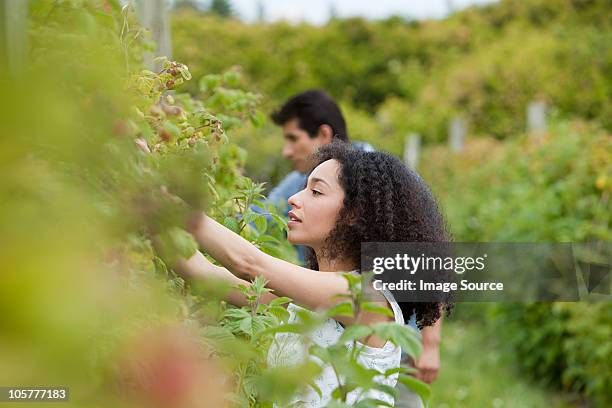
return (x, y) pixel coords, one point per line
(169, 84)
(165, 135)
(155, 111)
(120, 128)
(171, 110)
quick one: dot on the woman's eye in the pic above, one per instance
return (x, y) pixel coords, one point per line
(315, 192)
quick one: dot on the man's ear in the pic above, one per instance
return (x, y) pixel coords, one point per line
(325, 133)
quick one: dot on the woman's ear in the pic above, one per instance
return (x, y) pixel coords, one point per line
(326, 134)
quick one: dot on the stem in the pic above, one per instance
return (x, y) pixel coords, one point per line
(125, 27)
(241, 374)
(255, 306)
(339, 382)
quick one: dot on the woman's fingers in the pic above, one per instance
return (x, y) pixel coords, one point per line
(427, 375)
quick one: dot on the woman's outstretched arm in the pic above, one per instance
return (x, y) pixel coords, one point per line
(308, 288)
(199, 268)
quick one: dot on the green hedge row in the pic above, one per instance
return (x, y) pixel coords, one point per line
(483, 63)
(555, 188)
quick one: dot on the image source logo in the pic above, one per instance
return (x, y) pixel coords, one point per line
(598, 277)
(490, 272)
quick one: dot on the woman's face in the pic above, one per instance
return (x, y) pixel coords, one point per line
(315, 209)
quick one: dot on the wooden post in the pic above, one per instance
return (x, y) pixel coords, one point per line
(412, 150)
(457, 129)
(13, 35)
(154, 17)
(536, 118)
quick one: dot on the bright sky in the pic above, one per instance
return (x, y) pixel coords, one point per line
(318, 11)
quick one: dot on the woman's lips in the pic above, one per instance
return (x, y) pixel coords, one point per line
(293, 219)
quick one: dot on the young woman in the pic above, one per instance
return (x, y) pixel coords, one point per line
(351, 197)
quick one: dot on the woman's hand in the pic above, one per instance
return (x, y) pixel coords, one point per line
(237, 254)
(428, 364)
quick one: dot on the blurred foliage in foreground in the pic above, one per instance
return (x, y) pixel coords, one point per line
(555, 188)
(100, 161)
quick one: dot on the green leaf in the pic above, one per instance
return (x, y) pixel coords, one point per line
(320, 352)
(316, 388)
(236, 313)
(217, 333)
(280, 312)
(356, 373)
(340, 309)
(231, 77)
(257, 324)
(249, 217)
(401, 335)
(284, 328)
(280, 221)
(258, 119)
(374, 308)
(418, 386)
(401, 369)
(173, 129)
(268, 239)
(280, 301)
(184, 72)
(387, 389)
(261, 224)
(337, 393)
(231, 223)
(372, 403)
(352, 279)
(209, 82)
(355, 332)
(246, 325)
(258, 286)
(177, 243)
(165, 63)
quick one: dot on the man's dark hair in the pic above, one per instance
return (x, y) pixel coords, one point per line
(384, 201)
(312, 109)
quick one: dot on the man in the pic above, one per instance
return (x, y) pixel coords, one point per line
(309, 120)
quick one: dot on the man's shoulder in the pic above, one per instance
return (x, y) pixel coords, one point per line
(363, 146)
(293, 180)
(293, 177)
(291, 184)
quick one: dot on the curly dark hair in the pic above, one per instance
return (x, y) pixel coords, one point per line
(384, 201)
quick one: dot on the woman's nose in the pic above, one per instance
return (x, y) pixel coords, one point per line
(294, 200)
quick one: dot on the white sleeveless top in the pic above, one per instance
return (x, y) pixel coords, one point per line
(291, 349)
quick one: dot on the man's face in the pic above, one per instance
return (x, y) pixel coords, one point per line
(299, 145)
